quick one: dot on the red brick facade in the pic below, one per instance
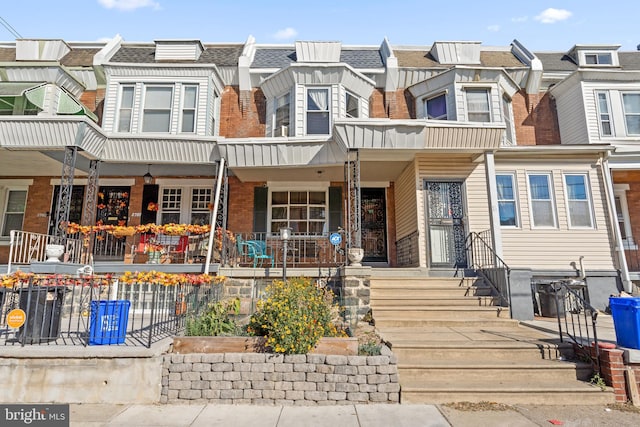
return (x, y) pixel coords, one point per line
(632, 178)
(242, 115)
(535, 119)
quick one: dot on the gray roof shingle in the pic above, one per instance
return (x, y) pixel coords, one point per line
(219, 55)
(281, 58)
(559, 61)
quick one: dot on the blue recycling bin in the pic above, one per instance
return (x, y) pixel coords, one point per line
(108, 322)
(626, 320)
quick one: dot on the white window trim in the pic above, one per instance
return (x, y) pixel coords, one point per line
(587, 189)
(489, 91)
(306, 108)
(553, 201)
(346, 104)
(279, 132)
(620, 190)
(5, 188)
(516, 199)
(624, 114)
(301, 186)
(121, 88)
(613, 55)
(183, 108)
(143, 106)
(599, 113)
(185, 202)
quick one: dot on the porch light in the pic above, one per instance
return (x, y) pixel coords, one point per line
(148, 178)
(285, 234)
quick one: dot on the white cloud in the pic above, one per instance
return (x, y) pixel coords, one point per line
(128, 4)
(551, 15)
(285, 34)
(493, 28)
(519, 19)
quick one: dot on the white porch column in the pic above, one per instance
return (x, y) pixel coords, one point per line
(492, 192)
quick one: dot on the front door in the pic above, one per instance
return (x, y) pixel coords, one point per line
(374, 224)
(446, 228)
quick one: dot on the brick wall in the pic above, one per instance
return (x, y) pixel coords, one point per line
(240, 216)
(242, 119)
(271, 379)
(632, 178)
(535, 119)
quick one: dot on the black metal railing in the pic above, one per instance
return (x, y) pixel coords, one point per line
(489, 266)
(407, 250)
(577, 319)
(93, 310)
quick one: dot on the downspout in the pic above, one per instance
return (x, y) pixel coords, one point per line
(622, 261)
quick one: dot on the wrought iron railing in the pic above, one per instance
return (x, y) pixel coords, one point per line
(407, 250)
(265, 250)
(577, 319)
(26, 247)
(489, 266)
(65, 310)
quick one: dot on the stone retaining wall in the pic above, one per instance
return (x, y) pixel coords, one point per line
(270, 379)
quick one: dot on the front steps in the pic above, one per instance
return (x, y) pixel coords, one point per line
(452, 345)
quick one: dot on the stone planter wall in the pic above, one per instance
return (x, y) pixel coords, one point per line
(270, 379)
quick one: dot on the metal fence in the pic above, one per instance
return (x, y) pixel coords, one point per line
(408, 250)
(58, 310)
(489, 266)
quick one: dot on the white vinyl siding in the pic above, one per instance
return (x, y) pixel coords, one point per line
(507, 117)
(572, 117)
(557, 248)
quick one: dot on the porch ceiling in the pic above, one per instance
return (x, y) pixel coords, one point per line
(29, 163)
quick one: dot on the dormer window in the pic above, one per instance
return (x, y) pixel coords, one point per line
(352, 104)
(436, 107)
(598, 59)
(318, 111)
(478, 105)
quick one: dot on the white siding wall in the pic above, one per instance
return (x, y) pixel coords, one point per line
(557, 248)
(616, 110)
(458, 168)
(571, 117)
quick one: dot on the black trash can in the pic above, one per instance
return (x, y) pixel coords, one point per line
(551, 296)
(43, 307)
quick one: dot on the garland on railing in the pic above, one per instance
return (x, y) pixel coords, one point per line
(21, 278)
(130, 230)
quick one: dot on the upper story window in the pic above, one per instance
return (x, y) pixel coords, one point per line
(13, 207)
(478, 105)
(436, 107)
(578, 201)
(631, 106)
(318, 111)
(125, 113)
(189, 99)
(507, 116)
(507, 200)
(598, 59)
(604, 115)
(157, 109)
(305, 212)
(282, 115)
(541, 198)
(352, 105)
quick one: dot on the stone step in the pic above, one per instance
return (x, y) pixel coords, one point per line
(432, 291)
(418, 353)
(499, 391)
(444, 312)
(512, 371)
(413, 322)
(399, 300)
(400, 282)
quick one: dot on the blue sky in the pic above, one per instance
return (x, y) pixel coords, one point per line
(539, 25)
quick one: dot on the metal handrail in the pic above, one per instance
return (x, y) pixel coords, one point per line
(489, 266)
(580, 317)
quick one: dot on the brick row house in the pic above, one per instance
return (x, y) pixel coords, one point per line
(403, 152)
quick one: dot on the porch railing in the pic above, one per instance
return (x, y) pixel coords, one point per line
(26, 247)
(74, 311)
(407, 250)
(264, 250)
(489, 266)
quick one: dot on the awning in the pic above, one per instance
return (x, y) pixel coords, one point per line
(16, 88)
(67, 104)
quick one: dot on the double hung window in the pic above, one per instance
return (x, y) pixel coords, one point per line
(189, 97)
(578, 201)
(604, 115)
(125, 113)
(282, 114)
(478, 105)
(14, 207)
(305, 212)
(631, 106)
(352, 105)
(598, 59)
(541, 197)
(157, 109)
(507, 200)
(318, 111)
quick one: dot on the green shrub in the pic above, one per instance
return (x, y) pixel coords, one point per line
(370, 348)
(294, 315)
(214, 320)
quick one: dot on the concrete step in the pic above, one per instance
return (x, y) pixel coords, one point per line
(443, 312)
(418, 353)
(499, 391)
(427, 300)
(421, 281)
(432, 291)
(413, 322)
(514, 372)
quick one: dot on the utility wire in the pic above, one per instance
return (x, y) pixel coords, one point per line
(9, 28)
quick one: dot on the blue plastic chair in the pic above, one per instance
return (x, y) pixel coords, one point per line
(255, 250)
